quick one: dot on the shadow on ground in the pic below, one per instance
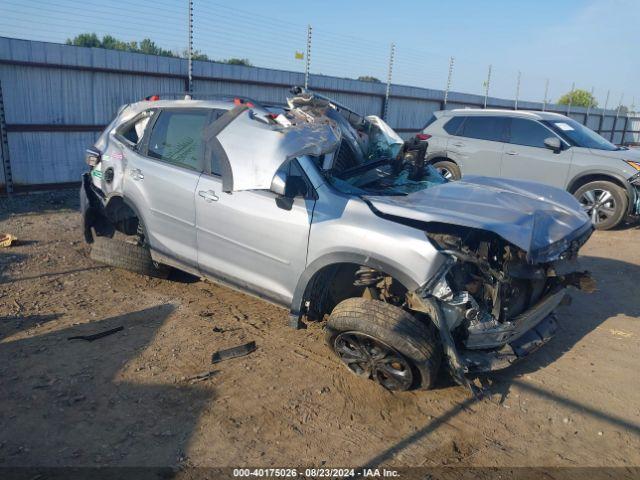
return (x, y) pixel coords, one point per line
(98, 417)
(40, 202)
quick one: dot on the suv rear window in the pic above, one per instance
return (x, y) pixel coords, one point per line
(485, 128)
(177, 138)
(432, 119)
(453, 125)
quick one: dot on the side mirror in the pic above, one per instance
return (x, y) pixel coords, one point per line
(287, 188)
(553, 143)
(279, 183)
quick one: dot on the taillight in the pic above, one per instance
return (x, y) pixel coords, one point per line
(152, 98)
(423, 136)
(92, 156)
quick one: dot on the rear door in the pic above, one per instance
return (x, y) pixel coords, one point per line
(161, 179)
(246, 239)
(527, 158)
(477, 144)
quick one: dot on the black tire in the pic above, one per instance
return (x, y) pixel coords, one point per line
(384, 325)
(448, 169)
(129, 256)
(605, 202)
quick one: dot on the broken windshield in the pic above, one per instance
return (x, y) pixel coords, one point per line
(384, 178)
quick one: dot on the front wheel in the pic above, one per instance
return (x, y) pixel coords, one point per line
(381, 342)
(448, 169)
(605, 202)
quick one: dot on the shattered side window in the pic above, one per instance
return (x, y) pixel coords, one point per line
(133, 132)
(177, 138)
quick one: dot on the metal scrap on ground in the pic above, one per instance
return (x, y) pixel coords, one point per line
(6, 239)
(234, 352)
(96, 336)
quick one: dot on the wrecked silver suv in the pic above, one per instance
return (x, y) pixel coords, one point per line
(329, 214)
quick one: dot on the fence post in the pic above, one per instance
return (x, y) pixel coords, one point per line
(307, 64)
(486, 87)
(624, 128)
(4, 148)
(387, 92)
(446, 92)
(615, 122)
(190, 48)
(546, 92)
(518, 89)
(573, 87)
(586, 118)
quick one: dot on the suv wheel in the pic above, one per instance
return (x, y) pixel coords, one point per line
(129, 256)
(448, 169)
(605, 202)
(378, 341)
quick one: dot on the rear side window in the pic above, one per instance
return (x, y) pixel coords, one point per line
(432, 119)
(177, 138)
(453, 126)
(485, 128)
(528, 133)
(133, 131)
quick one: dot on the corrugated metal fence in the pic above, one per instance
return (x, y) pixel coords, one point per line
(57, 98)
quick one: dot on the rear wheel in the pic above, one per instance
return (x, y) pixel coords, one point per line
(448, 169)
(381, 342)
(129, 256)
(605, 202)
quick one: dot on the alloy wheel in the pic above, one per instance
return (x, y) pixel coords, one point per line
(445, 173)
(599, 204)
(369, 357)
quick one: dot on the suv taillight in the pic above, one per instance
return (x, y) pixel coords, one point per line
(92, 156)
(423, 136)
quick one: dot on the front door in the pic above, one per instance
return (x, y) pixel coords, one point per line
(245, 238)
(161, 179)
(526, 157)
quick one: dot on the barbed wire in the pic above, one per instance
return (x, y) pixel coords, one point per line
(222, 32)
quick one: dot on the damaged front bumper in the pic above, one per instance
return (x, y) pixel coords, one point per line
(474, 340)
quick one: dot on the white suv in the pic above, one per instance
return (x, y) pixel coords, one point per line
(540, 146)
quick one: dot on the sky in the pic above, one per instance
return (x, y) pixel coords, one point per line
(591, 43)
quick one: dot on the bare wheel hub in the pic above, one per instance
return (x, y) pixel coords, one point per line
(369, 357)
(599, 204)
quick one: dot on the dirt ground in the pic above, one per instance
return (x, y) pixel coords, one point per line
(127, 400)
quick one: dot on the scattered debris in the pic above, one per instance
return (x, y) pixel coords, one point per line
(234, 352)
(96, 336)
(222, 330)
(6, 239)
(620, 333)
(201, 376)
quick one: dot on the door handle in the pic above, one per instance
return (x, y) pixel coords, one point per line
(511, 153)
(136, 174)
(458, 144)
(208, 195)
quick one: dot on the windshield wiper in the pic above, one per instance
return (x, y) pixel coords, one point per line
(365, 167)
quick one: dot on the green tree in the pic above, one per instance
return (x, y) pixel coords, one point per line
(109, 42)
(578, 98)
(237, 61)
(195, 55)
(85, 40)
(368, 78)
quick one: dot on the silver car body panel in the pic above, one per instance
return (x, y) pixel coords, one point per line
(529, 215)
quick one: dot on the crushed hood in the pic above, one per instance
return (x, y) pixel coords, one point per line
(532, 216)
